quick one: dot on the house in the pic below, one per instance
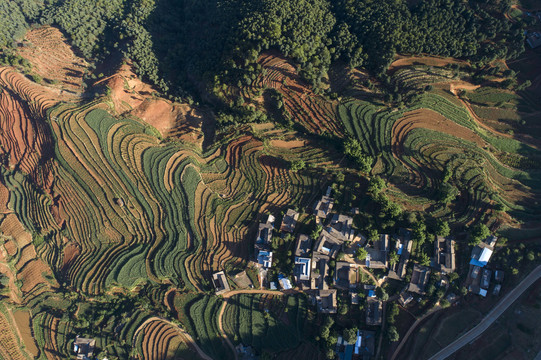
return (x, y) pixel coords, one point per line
(444, 254)
(343, 224)
(329, 242)
(405, 298)
(533, 39)
(343, 349)
(320, 269)
(374, 311)
(403, 250)
(284, 282)
(220, 282)
(475, 272)
(83, 347)
(289, 221)
(264, 233)
(323, 207)
(327, 302)
(302, 269)
(377, 257)
(365, 344)
(345, 275)
(419, 279)
(498, 276)
(481, 254)
(491, 240)
(304, 246)
(264, 258)
(485, 280)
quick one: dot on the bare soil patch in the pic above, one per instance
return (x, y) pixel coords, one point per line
(23, 322)
(287, 144)
(430, 120)
(402, 61)
(9, 347)
(132, 96)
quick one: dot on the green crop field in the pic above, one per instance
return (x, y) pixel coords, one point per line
(266, 322)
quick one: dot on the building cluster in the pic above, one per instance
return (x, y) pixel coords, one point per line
(329, 262)
(480, 277)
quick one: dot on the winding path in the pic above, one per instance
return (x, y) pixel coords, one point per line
(222, 332)
(492, 316)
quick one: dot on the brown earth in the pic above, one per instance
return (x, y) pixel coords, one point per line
(30, 268)
(53, 58)
(402, 61)
(24, 324)
(287, 144)
(132, 96)
(9, 344)
(430, 120)
(310, 110)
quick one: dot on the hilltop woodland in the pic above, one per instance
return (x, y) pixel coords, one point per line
(142, 141)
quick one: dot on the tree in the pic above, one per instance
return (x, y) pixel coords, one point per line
(350, 335)
(360, 254)
(393, 334)
(442, 228)
(423, 259)
(353, 149)
(444, 303)
(393, 258)
(315, 233)
(392, 313)
(452, 276)
(478, 234)
(376, 185)
(297, 165)
(382, 294)
(330, 354)
(447, 193)
(419, 232)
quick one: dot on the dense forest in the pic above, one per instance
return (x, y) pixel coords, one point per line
(189, 46)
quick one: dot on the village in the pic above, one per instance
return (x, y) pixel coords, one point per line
(339, 268)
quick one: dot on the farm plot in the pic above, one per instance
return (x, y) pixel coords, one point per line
(203, 317)
(53, 59)
(372, 126)
(311, 111)
(252, 318)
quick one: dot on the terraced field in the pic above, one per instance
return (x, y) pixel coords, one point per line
(265, 322)
(111, 211)
(311, 111)
(99, 203)
(437, 134)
